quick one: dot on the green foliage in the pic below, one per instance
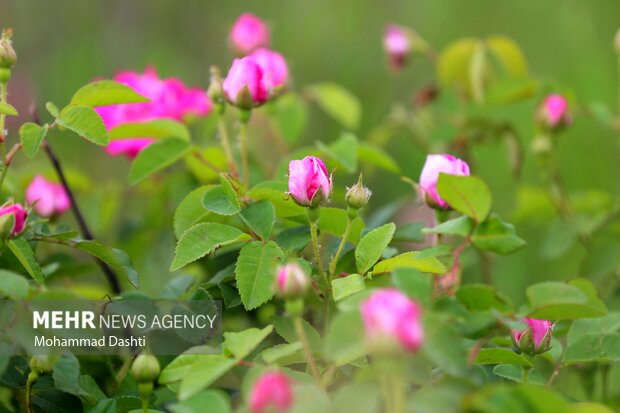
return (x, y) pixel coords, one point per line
(497, 236)
(84, 121)
(467, 194)
(256, 271)
(31, 137)
(338, 103)
(372, 245)
(160, 128)
(22, 251)
(156, 157)
(105, 92)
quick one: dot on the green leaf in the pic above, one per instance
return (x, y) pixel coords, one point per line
(160, 128)
(295, 238)
(291, 115)
(334, 221)
(338, 103)
(343, 151)
(500, 356)
(84, 121)
(593, 347)
(115, 258)
(444, 346)
(509, 54)
(346, 286)
(203, 373)
(372, 245)
(243, 343)
(500, 398)
(13, 285)
(497, 236)
(260, 217)
(413, 283)
(206, 172)
(7, 109)
(207, 401)
(344, 341)
(280, 351)
(586, 407)
(285, 328)
(480, 297)
(106, 92)
(222, 199)
(607, 324)
(180, 366)
(564, 301)
(461, 226)
(202, 239)
(52, 109)
(24, 254)
(31, 136)
(371, 154)
(190, 211)
(469, 195)
(66, 375)
(256, 271)
(156, 157)
(413, 260)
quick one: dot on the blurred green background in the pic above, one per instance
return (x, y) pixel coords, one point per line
(63, 44)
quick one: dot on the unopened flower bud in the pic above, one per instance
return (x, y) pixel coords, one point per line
(16, 223)
(358, 195)
(291, 281)
(8, 57)
(309, 183)
(553, 113)
(216, 91)
(271, 392)
(536, 338)
(244, 86)
(145, 368)
(434, 165)
(249, 33)
(398, 45)
(40, 364)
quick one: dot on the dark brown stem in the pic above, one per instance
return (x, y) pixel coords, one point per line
(84, 229)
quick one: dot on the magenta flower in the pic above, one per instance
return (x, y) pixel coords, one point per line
(169, 99)
(19, 214)
(274, 69)
(397, 44)
(48, 198)
(244, 86)
(554, 111)
(291, 281)
(391, 320)
(249, 33)
(272, 392)
(434, 165)
(535, 338)
(308, 181)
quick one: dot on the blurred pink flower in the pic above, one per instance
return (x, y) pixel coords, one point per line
(169, 99)
(19, 214)
(48, 198)
(291, 281)
(272, 392)
(244, 86)
(391, 318)
(397, 44)
(308, 181)
(434, 165)
(535, 338)
(555, 111)
(274, 67)
(249, 33)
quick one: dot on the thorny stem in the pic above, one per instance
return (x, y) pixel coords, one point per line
(315, 245)
(301, 334)
(223, 132)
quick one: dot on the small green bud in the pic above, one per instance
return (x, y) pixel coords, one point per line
(215, 90)
(40, 364)
(358, 195)
(145, 368)
(8, 57)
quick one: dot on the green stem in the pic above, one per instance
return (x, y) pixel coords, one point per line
(526, 374)
(334, 262)
(301, 334)
(232, 165)
(2, 135)
(604, 382)
(243, 147)
(33, 377)
(313, 220)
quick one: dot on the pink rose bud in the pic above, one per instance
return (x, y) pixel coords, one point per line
(48, 198)
(275, 69)
(536, 338)
(554, 113)
(434, 165)
(397, 44)
(249, 33)
(271, 393)
(19, 217)
(169, 99)
(244, 86)
(308, 181)
(392, 321)
(291, 281)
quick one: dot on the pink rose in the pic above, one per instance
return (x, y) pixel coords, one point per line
(535, 338)
(272, 392)
(434, 165)
(19, 215)
(391, 320)
(48, 198)
(169, 99)
(249, 33)
(274, 67)
(291, 281)
(244, 86)
(397, 44)
(554, 112)
(308, 181)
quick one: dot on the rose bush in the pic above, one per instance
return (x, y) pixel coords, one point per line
(332, 301)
